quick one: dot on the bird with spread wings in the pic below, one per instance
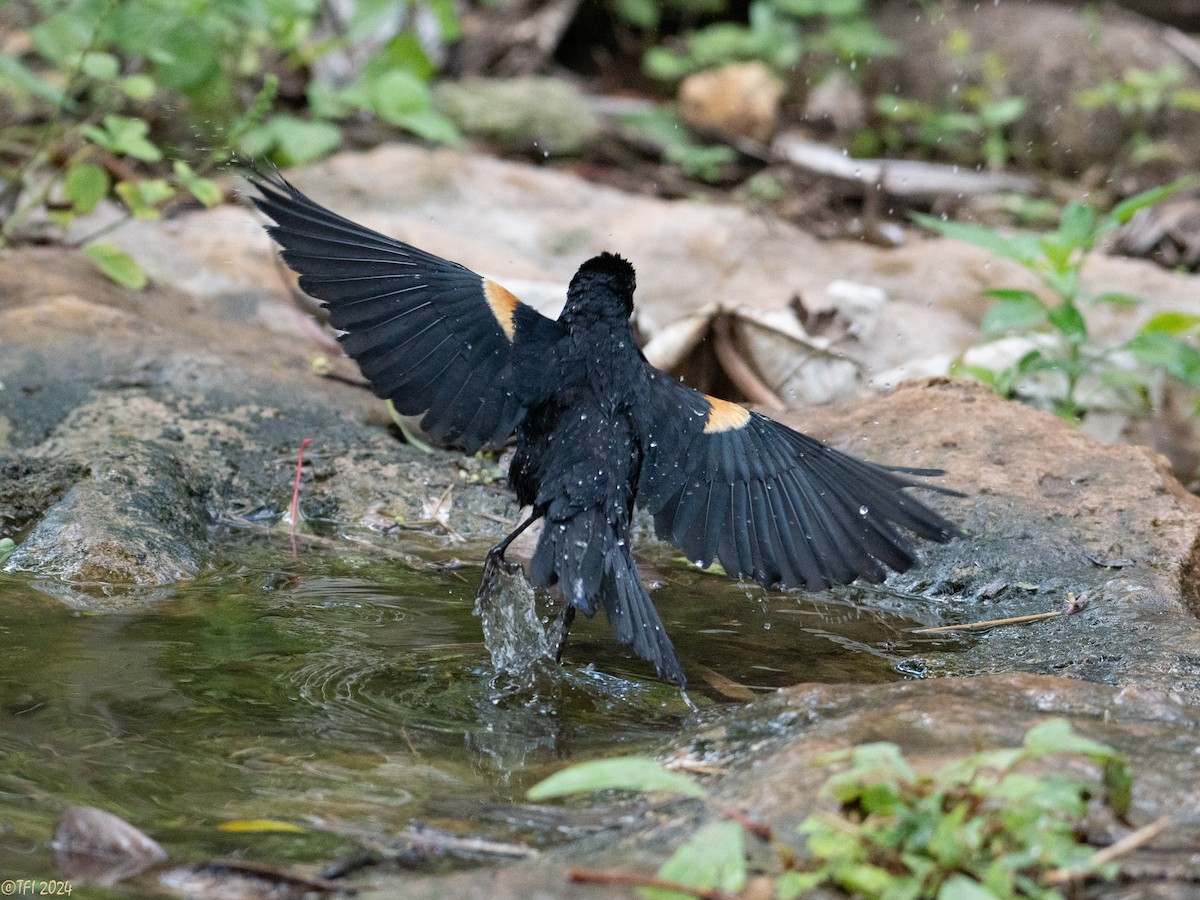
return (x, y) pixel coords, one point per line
(598, 429)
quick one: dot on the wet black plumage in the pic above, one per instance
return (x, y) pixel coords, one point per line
(597, 428)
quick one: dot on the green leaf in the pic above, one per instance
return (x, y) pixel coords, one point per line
(1076, 227)
(86, 185)
(1171, 323)
(100, 66)
(666, 64)
(116, 264)
(1021, 247)
(1125, 210)
(124, 136)
(1167, 352)
(960, 887)
(1118, 299)
(714, 858)
(792, 884)
(1017, 311)
(1057, 736)
(15, 74)
(7, 546)
(202, 189)
(626, 773)
(137, 87)
(293, 141)
(1004, 111)
(644, 14)
(1067, 318)
(432, 126)
(144, 196)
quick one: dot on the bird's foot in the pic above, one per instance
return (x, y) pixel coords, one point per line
(494, 564)
(563, 626)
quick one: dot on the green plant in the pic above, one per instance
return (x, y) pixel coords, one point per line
(973, 124)
(779, 33)
(1065, 358)
(139, 100)
(981, 827)
(663, 128)
(1143, 98)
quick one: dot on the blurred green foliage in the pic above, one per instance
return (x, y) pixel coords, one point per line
(982, 826)
(1064, 364)
(139, 100)
(779, 33)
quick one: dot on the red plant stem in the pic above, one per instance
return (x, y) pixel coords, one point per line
(296, 491)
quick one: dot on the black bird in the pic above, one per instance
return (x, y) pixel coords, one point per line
(597, 428)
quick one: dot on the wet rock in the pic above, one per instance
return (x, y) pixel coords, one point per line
(1044, 502)
(1047, 53)
(769, 755)
(100, 848)
(133, 520)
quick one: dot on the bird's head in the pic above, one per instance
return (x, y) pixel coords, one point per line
(602, 287)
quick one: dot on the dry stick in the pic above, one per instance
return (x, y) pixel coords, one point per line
(990, 622)
(1123, 847)
(738, 369)
(592, 876)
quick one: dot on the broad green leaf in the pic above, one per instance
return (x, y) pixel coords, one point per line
(144, 196)
(1057, 736)
(1020, 311)
(1021, 247)
(7, 546)
(626, 773)
(397, 94)
(202, 189)
(714, 858)
(124, 136)
(792, 884)
(1076, 226)
(665, 64)
(1118, 299)
(296, 141)
(116, 264)
(18, 75)
(1173, 322)
(137, 87)
(1004, 111)
(1125, 210)
(86, 185)
(644, 14)
(1067, 318)
(100, 66)
(432, 126)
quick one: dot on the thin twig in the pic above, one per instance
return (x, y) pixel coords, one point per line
(970, 626)
(738, 370)
(1072, 605)
(630, 879)
(1123, 847)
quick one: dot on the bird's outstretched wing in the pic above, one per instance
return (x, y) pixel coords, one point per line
(429, 334)
(771, 503)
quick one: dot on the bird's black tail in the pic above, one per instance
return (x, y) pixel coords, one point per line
(586, 559)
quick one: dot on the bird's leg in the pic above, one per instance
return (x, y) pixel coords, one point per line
(564, 625)
(495, 560)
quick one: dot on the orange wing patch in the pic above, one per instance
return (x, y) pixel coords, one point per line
(503, 304)
(724, 416)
